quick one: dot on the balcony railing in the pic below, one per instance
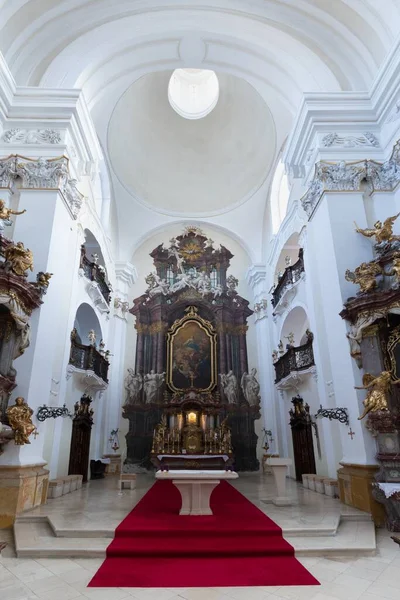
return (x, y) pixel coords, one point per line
(289, 277)
(95, 273)
(295, 359)
(88, 358)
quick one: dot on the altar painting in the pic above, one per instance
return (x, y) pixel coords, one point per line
(192, 357)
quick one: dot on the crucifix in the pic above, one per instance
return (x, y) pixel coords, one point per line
(351, 433)
(35, 433)
(191, 376)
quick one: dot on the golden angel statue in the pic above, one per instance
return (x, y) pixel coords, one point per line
(43, 279)
(20, 419)
(395, 271)
(18, 258)
(5, 214)
(378, 389)
(383, 232)
(364, 276)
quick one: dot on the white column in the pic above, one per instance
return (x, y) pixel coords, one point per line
(333, 247)
(49, 231)
(256, 278)
(325, 428)
(126, 277)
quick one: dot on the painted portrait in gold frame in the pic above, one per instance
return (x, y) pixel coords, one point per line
(191, 357)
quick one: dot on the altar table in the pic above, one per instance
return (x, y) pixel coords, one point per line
(195, 488)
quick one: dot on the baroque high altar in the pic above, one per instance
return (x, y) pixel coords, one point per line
(190, 396)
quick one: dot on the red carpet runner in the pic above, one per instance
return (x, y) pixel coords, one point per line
(237, 546)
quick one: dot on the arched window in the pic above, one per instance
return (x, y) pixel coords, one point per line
(279, 196)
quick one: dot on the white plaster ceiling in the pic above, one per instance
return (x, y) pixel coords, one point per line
(280, 48)
(180, 166)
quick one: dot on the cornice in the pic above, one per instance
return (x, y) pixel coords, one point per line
(126, 272)
(346, 113)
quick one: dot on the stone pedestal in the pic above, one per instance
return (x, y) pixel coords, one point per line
(279, 470)
(21, 488)
(114, 466)
(196, 488)
(355, 489)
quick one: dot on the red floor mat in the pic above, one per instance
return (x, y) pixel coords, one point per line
(237, 546)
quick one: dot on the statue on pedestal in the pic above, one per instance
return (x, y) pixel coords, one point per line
(230, 387)
(20, 419)
(251, 387)
(133, 386)
(152, 382)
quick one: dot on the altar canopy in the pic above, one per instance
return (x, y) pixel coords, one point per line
(190, 391)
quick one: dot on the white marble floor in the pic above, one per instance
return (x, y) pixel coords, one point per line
(369, 578)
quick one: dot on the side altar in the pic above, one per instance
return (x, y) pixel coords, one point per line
(191, 401)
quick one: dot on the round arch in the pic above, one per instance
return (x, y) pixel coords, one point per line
(85, 321)
(296, 322)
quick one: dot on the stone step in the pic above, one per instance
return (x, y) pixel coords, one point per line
(35, 537)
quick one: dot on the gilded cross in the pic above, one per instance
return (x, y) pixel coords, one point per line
(351, 433)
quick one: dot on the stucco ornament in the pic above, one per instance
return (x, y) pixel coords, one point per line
(350, 141)
(35, 136)
(347, 177)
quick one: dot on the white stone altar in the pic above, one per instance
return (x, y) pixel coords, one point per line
(196, 488)
(279, 469)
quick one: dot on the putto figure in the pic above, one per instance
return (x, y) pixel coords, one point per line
(383, 232)
(378, 391)
(365, 276)
(20, 419)
(18, 259)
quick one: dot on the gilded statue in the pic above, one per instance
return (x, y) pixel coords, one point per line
(5, 214)
(383, 232)
(395, 271)
(18, 258)
(364, 276)
(43, 279)
(378, 390)
(20, 419)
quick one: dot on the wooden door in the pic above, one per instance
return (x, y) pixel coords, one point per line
(80, 439)
(303, 446)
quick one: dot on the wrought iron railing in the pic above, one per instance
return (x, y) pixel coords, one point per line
(289, 277)
(295, 359)
(88, 358)
(95, 273)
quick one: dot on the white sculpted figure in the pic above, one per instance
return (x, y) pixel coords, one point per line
(182, 281)
(161, 286)
(251, 387)
(133, 386)
(203, 283)
(151, 384)
(230, 387)
(217, 290)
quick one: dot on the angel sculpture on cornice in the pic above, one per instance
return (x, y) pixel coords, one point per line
(383, 232)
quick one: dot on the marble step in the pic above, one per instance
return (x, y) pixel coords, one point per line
(35, 538)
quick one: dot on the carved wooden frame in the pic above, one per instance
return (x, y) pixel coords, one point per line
(206, 326)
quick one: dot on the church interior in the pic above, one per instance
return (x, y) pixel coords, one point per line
(199, 299)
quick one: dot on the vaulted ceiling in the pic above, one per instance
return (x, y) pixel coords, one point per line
(267, 53)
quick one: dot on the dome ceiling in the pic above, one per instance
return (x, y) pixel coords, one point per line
(182, 166)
